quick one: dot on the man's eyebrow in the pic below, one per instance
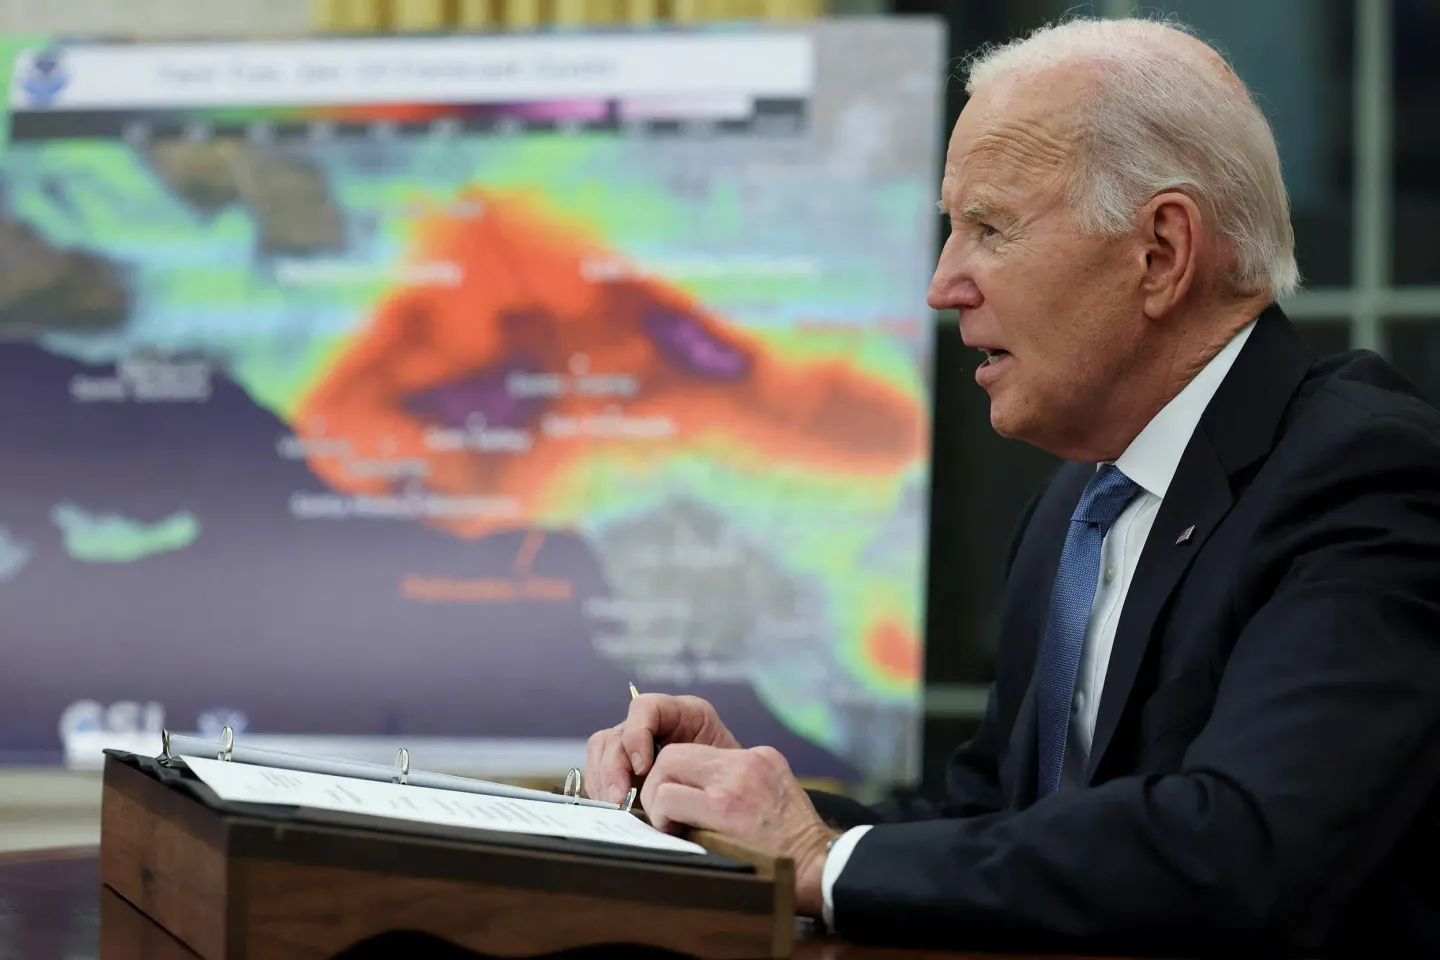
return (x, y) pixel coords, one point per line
(976, 210)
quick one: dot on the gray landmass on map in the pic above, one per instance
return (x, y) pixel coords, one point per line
(688, 589)
(47, 289)
(287, 194)
(694, 601)
(900, 538)
(15, 555)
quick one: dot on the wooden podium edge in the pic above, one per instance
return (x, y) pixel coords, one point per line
(774, 867)
(230, 886)
(166, 856)
(779, 870)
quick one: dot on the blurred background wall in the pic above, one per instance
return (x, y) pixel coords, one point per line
(1353, 89)
(158, 18)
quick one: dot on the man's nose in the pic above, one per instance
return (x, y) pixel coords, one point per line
(952, 288)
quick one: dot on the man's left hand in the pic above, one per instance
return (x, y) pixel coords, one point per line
(748, 795)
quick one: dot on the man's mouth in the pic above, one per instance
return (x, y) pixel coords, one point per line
(991, 356)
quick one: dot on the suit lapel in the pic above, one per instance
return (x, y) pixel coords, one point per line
(1237, 429)
(1025, 749)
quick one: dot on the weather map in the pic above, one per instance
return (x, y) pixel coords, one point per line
(396, 389)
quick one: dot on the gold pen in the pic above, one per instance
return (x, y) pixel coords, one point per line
(633, 692)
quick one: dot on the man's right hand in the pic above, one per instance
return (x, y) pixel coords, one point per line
(617, 757)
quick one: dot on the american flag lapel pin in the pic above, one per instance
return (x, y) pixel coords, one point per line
(1185, 534)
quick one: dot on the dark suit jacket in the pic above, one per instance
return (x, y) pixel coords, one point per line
(1265, 774)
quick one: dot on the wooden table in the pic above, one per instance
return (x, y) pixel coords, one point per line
(50, 909)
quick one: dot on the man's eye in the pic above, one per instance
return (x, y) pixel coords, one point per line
(987, 231)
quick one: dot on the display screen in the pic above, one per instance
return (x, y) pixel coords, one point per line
(365, 393)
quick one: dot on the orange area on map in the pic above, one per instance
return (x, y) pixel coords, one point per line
(894, 650)
(527, 297)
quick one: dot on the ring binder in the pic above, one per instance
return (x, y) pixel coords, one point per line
(176, 747)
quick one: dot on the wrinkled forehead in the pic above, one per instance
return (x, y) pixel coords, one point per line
(1017, 135)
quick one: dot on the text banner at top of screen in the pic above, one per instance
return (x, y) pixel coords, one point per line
(431, 70)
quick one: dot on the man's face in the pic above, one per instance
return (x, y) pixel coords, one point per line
(1060, 309)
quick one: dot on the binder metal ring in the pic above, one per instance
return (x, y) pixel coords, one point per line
(402, 764)
(166, 757)
(227, 744)
(629, 799)
(574, 783)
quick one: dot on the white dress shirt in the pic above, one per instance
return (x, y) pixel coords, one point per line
(1150, 460)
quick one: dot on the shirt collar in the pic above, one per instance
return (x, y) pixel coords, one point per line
(1154, 454)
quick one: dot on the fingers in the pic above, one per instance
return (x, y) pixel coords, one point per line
(694, 764)
(615, 757)
(705, 769)
(652, 716)
(755, 783)
(607, 769)
(670, 720)
(655, 716)
(594, 748)
(675, 804)
(616, 774)
(676, 791)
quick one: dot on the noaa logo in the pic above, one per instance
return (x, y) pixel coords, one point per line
(44, 78)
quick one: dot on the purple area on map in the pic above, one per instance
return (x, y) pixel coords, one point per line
(538, 110)
(486, 392)
(687, 343)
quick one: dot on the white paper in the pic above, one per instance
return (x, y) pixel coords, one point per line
(248, 783)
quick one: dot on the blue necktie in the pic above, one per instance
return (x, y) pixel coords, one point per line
(1104, 499)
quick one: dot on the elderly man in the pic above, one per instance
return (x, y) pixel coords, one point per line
(1215, 724)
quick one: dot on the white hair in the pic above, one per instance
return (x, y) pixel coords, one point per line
(1167, 113)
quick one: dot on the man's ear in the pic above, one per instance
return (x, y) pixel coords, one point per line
(1170, 230)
